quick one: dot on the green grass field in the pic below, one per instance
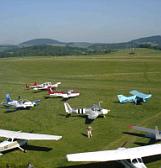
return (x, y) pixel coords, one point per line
(97, 78)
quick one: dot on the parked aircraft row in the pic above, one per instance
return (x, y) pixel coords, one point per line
(136, 98)
(18, 139)
(129, 157)
(91, 112)
(51, 88)
(26, 104)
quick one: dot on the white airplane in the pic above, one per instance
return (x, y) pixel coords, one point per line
(92, 112)
(44, 86)
(64, 95)
(18, 139)
(152, 133)
(19, 104)
(137, 98)
(129, 157)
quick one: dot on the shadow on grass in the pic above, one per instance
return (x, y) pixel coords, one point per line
(151, 141)
(117, 102)
(87, 121)
(29, 147)
(72, 116)
(135, 134)
(10, 111)
(48, 97)
(61, 99)
(15, 110)
(151, 159)
(85, 135)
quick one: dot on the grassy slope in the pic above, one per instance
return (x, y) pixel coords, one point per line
(97, 78)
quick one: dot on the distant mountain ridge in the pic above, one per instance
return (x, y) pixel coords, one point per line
(38, 42)
(45, 47)
(154, 40)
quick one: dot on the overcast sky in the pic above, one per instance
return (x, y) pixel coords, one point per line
(78, 20)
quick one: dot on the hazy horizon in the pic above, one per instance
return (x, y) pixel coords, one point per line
(92, 21)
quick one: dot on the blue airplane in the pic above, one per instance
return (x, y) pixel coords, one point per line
(137, 98)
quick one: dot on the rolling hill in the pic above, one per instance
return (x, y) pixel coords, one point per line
(46, 47)
(40, 42)
(155, 40)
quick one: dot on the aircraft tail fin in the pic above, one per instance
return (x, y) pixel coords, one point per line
(36, 102)
(34, 84)
(8, 98)
(157, 134)
(68, 108)
(27, 86)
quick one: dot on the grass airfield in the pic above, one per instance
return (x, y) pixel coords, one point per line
(97, 78)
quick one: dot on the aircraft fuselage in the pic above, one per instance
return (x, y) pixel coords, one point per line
(133, 163)
(21, 104)
(11, 144)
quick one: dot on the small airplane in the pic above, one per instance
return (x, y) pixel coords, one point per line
(64, 95)
(17, 139)
(129, 157)
(19, 104)
(92, 112)
(152, 133)
(44, 86)
(137, 98)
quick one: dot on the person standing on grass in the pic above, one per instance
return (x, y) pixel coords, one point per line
(89, 131)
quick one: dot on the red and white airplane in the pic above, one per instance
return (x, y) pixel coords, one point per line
(65, 95)
(44, 86)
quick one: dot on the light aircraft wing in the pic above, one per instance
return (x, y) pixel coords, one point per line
(92, 115)
(95, 107)
(6, 104)
(9, 106)
(27, 136)
(149, 130)
(140, 94)
(118, 154)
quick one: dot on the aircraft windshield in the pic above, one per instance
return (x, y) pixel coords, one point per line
(96, 107)
(134, 161)
(9, 139)
(140, 160)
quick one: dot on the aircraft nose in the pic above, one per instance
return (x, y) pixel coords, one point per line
(105, 111)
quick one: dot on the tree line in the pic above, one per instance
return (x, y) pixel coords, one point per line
(47, 50)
